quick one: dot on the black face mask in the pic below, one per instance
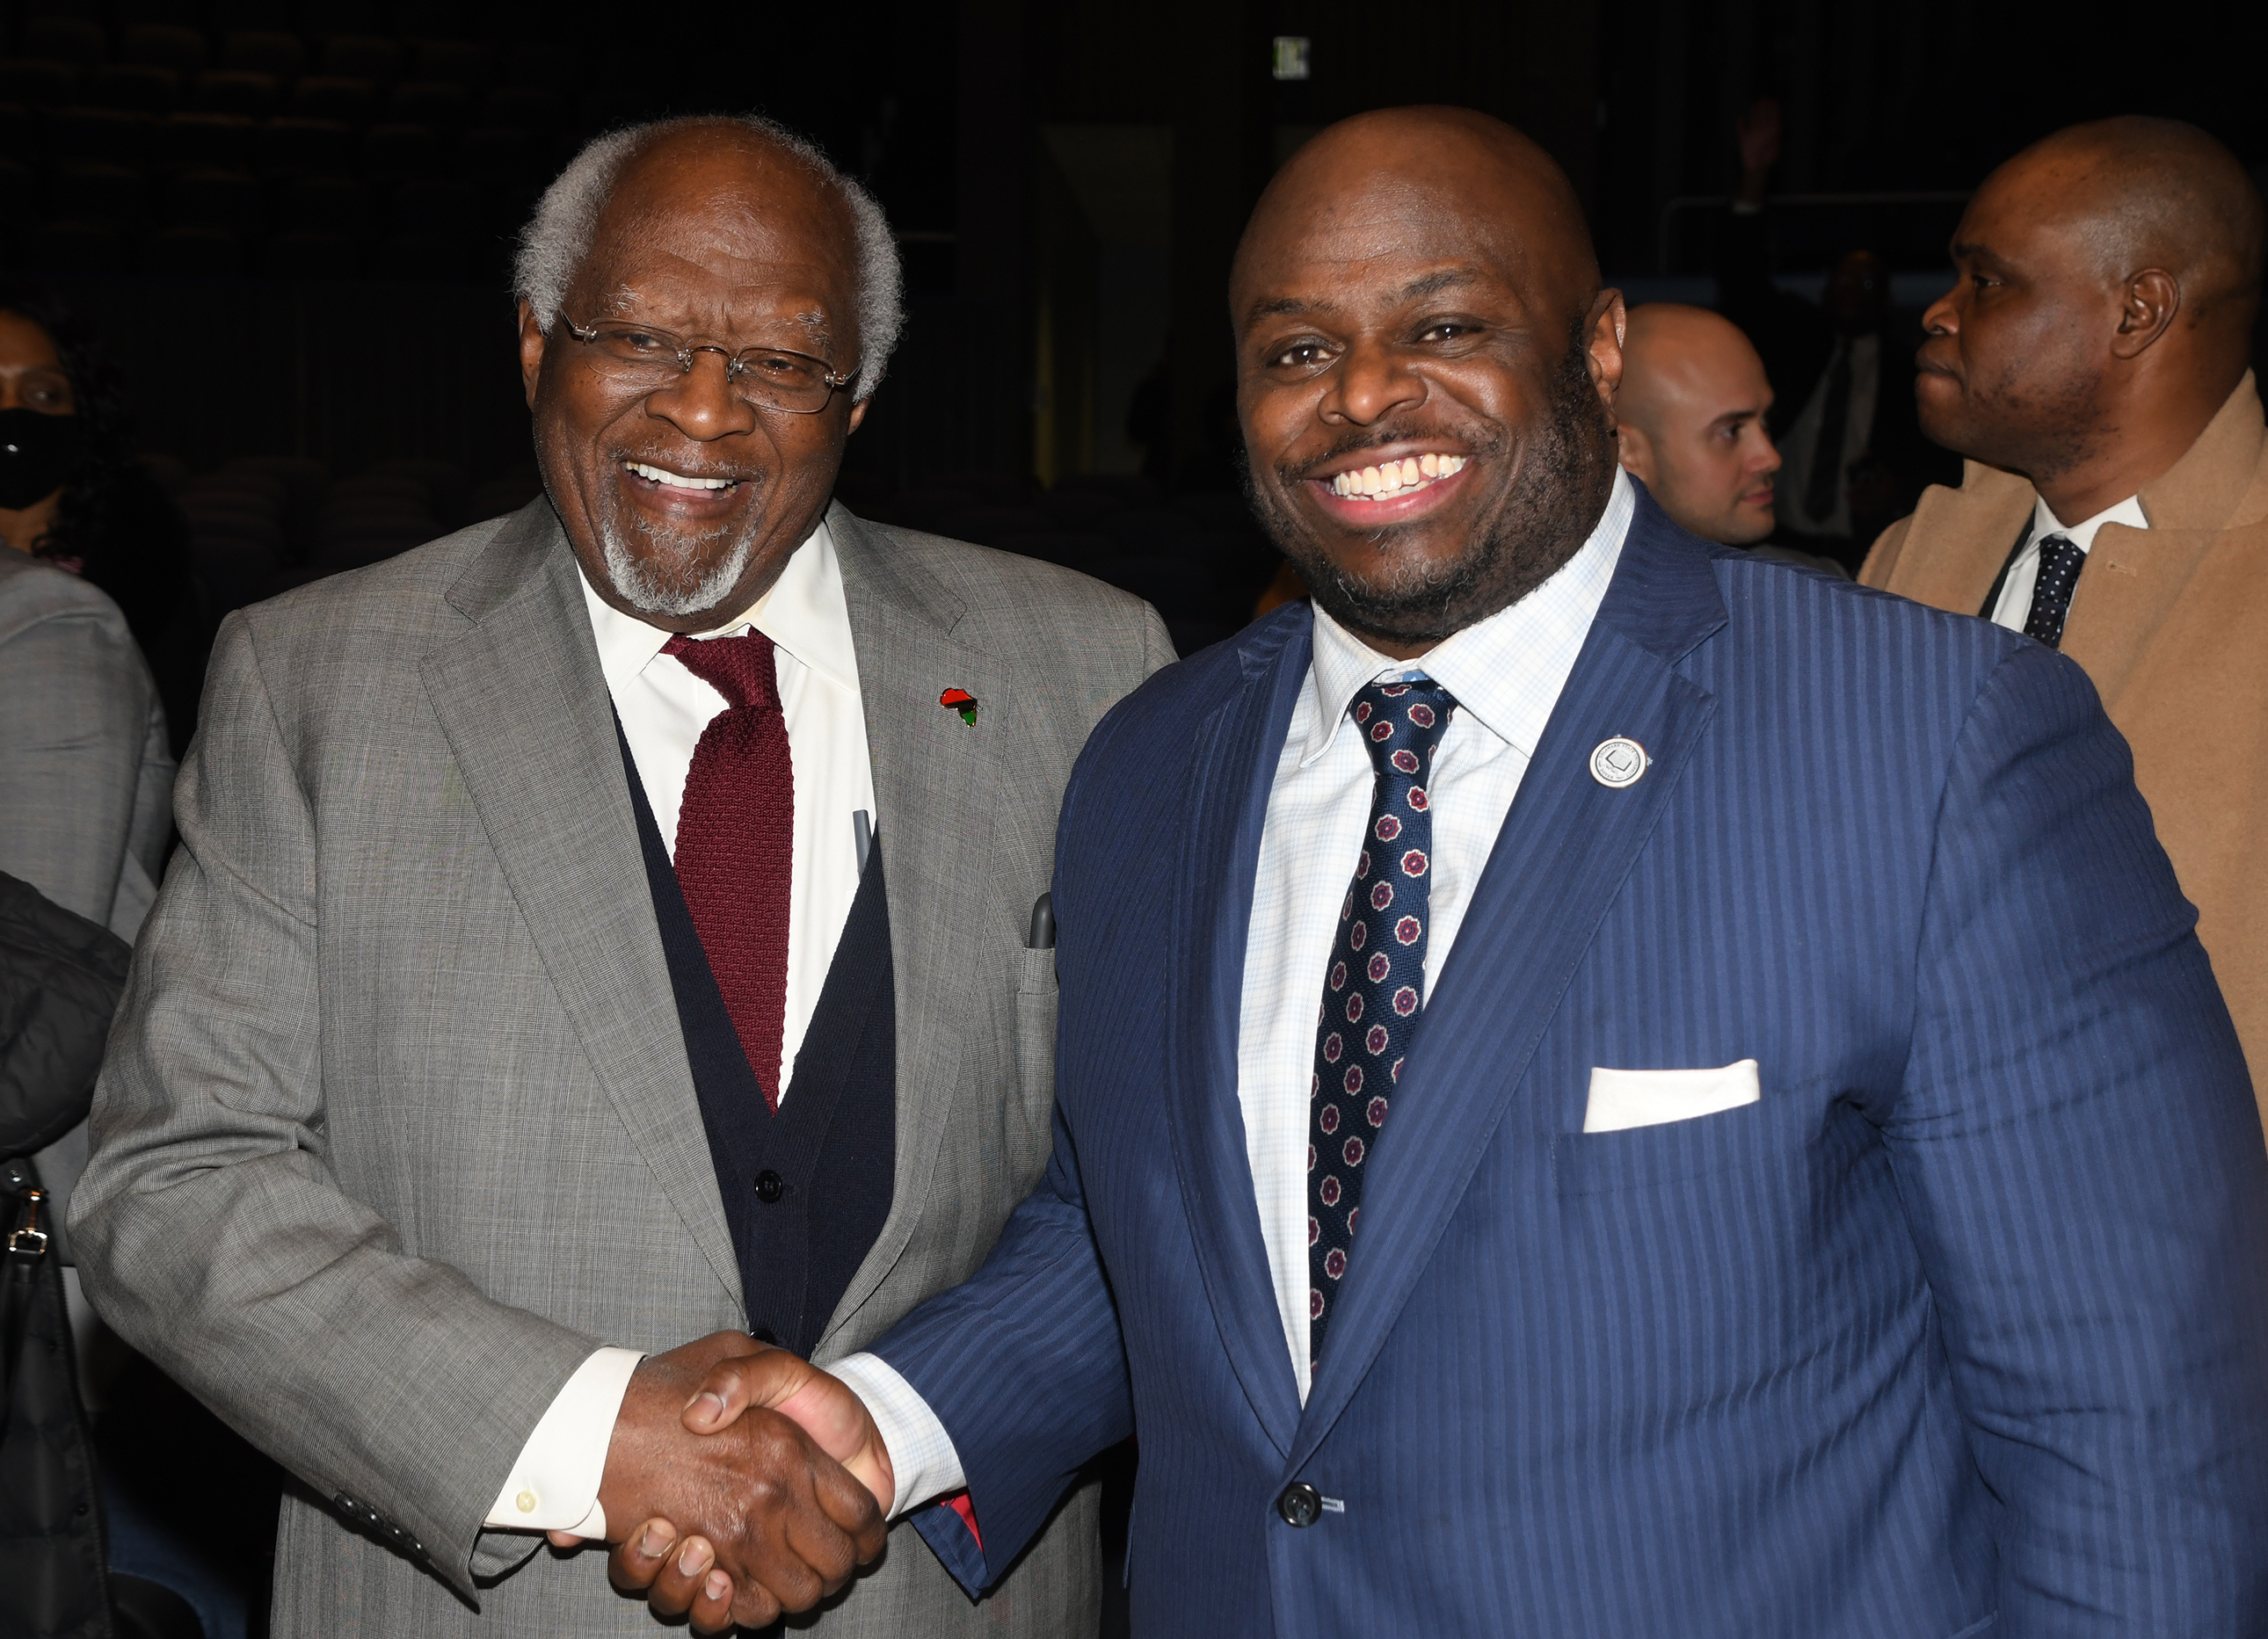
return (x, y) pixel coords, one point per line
(37, 455)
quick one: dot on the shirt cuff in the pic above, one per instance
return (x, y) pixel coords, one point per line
(922, 1456)
(553, 1485)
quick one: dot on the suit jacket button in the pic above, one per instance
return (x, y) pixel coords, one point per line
(770, 1187)
(1301, 1504)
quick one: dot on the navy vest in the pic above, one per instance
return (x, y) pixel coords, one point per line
(805, 1190)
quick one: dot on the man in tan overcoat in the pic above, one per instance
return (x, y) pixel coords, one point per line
(2091, 363)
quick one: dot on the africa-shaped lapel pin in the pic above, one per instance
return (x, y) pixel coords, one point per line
(961, 701)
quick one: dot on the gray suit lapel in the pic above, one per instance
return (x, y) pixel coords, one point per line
(524, 705)
(938, 831)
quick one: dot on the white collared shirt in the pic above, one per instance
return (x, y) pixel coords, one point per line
(2014, 606)
(663, 708)
(1505, 674)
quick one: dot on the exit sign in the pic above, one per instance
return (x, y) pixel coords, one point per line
(1291, 55)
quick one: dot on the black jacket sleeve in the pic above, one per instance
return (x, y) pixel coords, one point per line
(60, 979)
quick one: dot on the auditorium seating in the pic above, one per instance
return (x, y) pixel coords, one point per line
(179, 141)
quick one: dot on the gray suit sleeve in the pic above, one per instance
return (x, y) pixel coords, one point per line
(1157, 644)
(211, 1228)
(73, 740)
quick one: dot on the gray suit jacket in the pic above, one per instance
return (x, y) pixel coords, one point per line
(86, 771)
(397, 1125)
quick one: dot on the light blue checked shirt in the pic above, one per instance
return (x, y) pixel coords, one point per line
(1505, 674)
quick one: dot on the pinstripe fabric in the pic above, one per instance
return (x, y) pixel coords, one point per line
(1961, 1327)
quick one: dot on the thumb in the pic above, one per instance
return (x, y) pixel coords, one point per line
(826, 1409)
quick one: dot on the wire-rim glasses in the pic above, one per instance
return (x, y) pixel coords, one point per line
(646, 358)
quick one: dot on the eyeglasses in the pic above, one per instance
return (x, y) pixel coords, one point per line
(645, 359)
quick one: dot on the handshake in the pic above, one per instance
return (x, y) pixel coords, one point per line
(741, 1482)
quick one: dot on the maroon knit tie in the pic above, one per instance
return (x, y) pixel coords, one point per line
(736, 841)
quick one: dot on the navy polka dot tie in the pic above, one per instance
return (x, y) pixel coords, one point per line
(1376, 983)
(2060, 563)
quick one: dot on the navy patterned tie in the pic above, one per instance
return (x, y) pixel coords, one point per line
(1376, 983)
(2060, 563)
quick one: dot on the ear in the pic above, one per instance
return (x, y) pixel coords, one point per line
(2145, 312)
(531, 352)
(857, 414)
(1608, 323)
(1635, 451)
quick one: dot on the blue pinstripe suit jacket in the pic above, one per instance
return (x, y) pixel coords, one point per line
(1963, 1328)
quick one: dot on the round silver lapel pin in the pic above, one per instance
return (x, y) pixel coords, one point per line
(1617, 762)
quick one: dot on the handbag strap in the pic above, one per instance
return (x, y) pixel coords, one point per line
(25, 1258)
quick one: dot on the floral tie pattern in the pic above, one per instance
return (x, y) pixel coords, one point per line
(1375, 986)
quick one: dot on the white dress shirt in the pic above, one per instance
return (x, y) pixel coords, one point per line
(2014, 606)
(1505, 674)
(663, 708)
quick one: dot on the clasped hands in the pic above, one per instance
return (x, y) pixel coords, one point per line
(757, 1483)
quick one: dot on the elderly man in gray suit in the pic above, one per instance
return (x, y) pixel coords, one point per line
(530, 991)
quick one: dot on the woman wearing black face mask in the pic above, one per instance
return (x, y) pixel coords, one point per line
(87, 771)
(72, 493)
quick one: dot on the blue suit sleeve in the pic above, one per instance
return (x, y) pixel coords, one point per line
(2082, 1163)
(1024, 1366)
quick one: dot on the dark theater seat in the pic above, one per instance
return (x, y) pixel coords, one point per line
(339, 97)
(292, 147)
(113, 136)
(402, 153)
(237, 91)
(192, 252)
(229, 200)
(92, 190)
(189, 141)
(38, 84)
(88, 249)
(64, 40)
(364, 56)
(164, 46)
(136, 86)
(264, 51)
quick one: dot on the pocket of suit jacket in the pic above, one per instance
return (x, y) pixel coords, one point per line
(1753, 1132)
(1623, 1098)
(1036, 1043)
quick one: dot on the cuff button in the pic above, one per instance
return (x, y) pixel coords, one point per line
(524, 1501)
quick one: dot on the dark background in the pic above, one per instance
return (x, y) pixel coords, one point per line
(1070, 179)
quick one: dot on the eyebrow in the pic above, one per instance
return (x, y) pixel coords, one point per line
(1425, 284)
(1276, 306)
(1434, 283)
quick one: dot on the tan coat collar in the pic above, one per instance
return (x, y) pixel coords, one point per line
(1951, 551)
(2209, 487)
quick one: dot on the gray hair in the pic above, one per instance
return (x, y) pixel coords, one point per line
(558, 236)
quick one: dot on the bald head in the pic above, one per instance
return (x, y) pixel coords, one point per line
(2145, 193)
(1690, 414)
(2108, 278)
(1511, 195)
(1424, 358)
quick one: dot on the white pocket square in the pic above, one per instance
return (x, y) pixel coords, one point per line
(1623, 1099)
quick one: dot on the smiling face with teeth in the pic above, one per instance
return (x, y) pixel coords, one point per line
(1425, 361)
(684, 502)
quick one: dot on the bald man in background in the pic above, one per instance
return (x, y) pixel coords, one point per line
(2091, 363)
(1690, 422)
(1691, 425)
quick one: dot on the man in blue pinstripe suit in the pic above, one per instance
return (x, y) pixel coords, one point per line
(1789, 1173)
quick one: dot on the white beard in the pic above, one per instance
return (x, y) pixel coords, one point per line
(637, 584)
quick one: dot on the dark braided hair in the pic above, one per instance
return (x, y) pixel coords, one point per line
(114, 525)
